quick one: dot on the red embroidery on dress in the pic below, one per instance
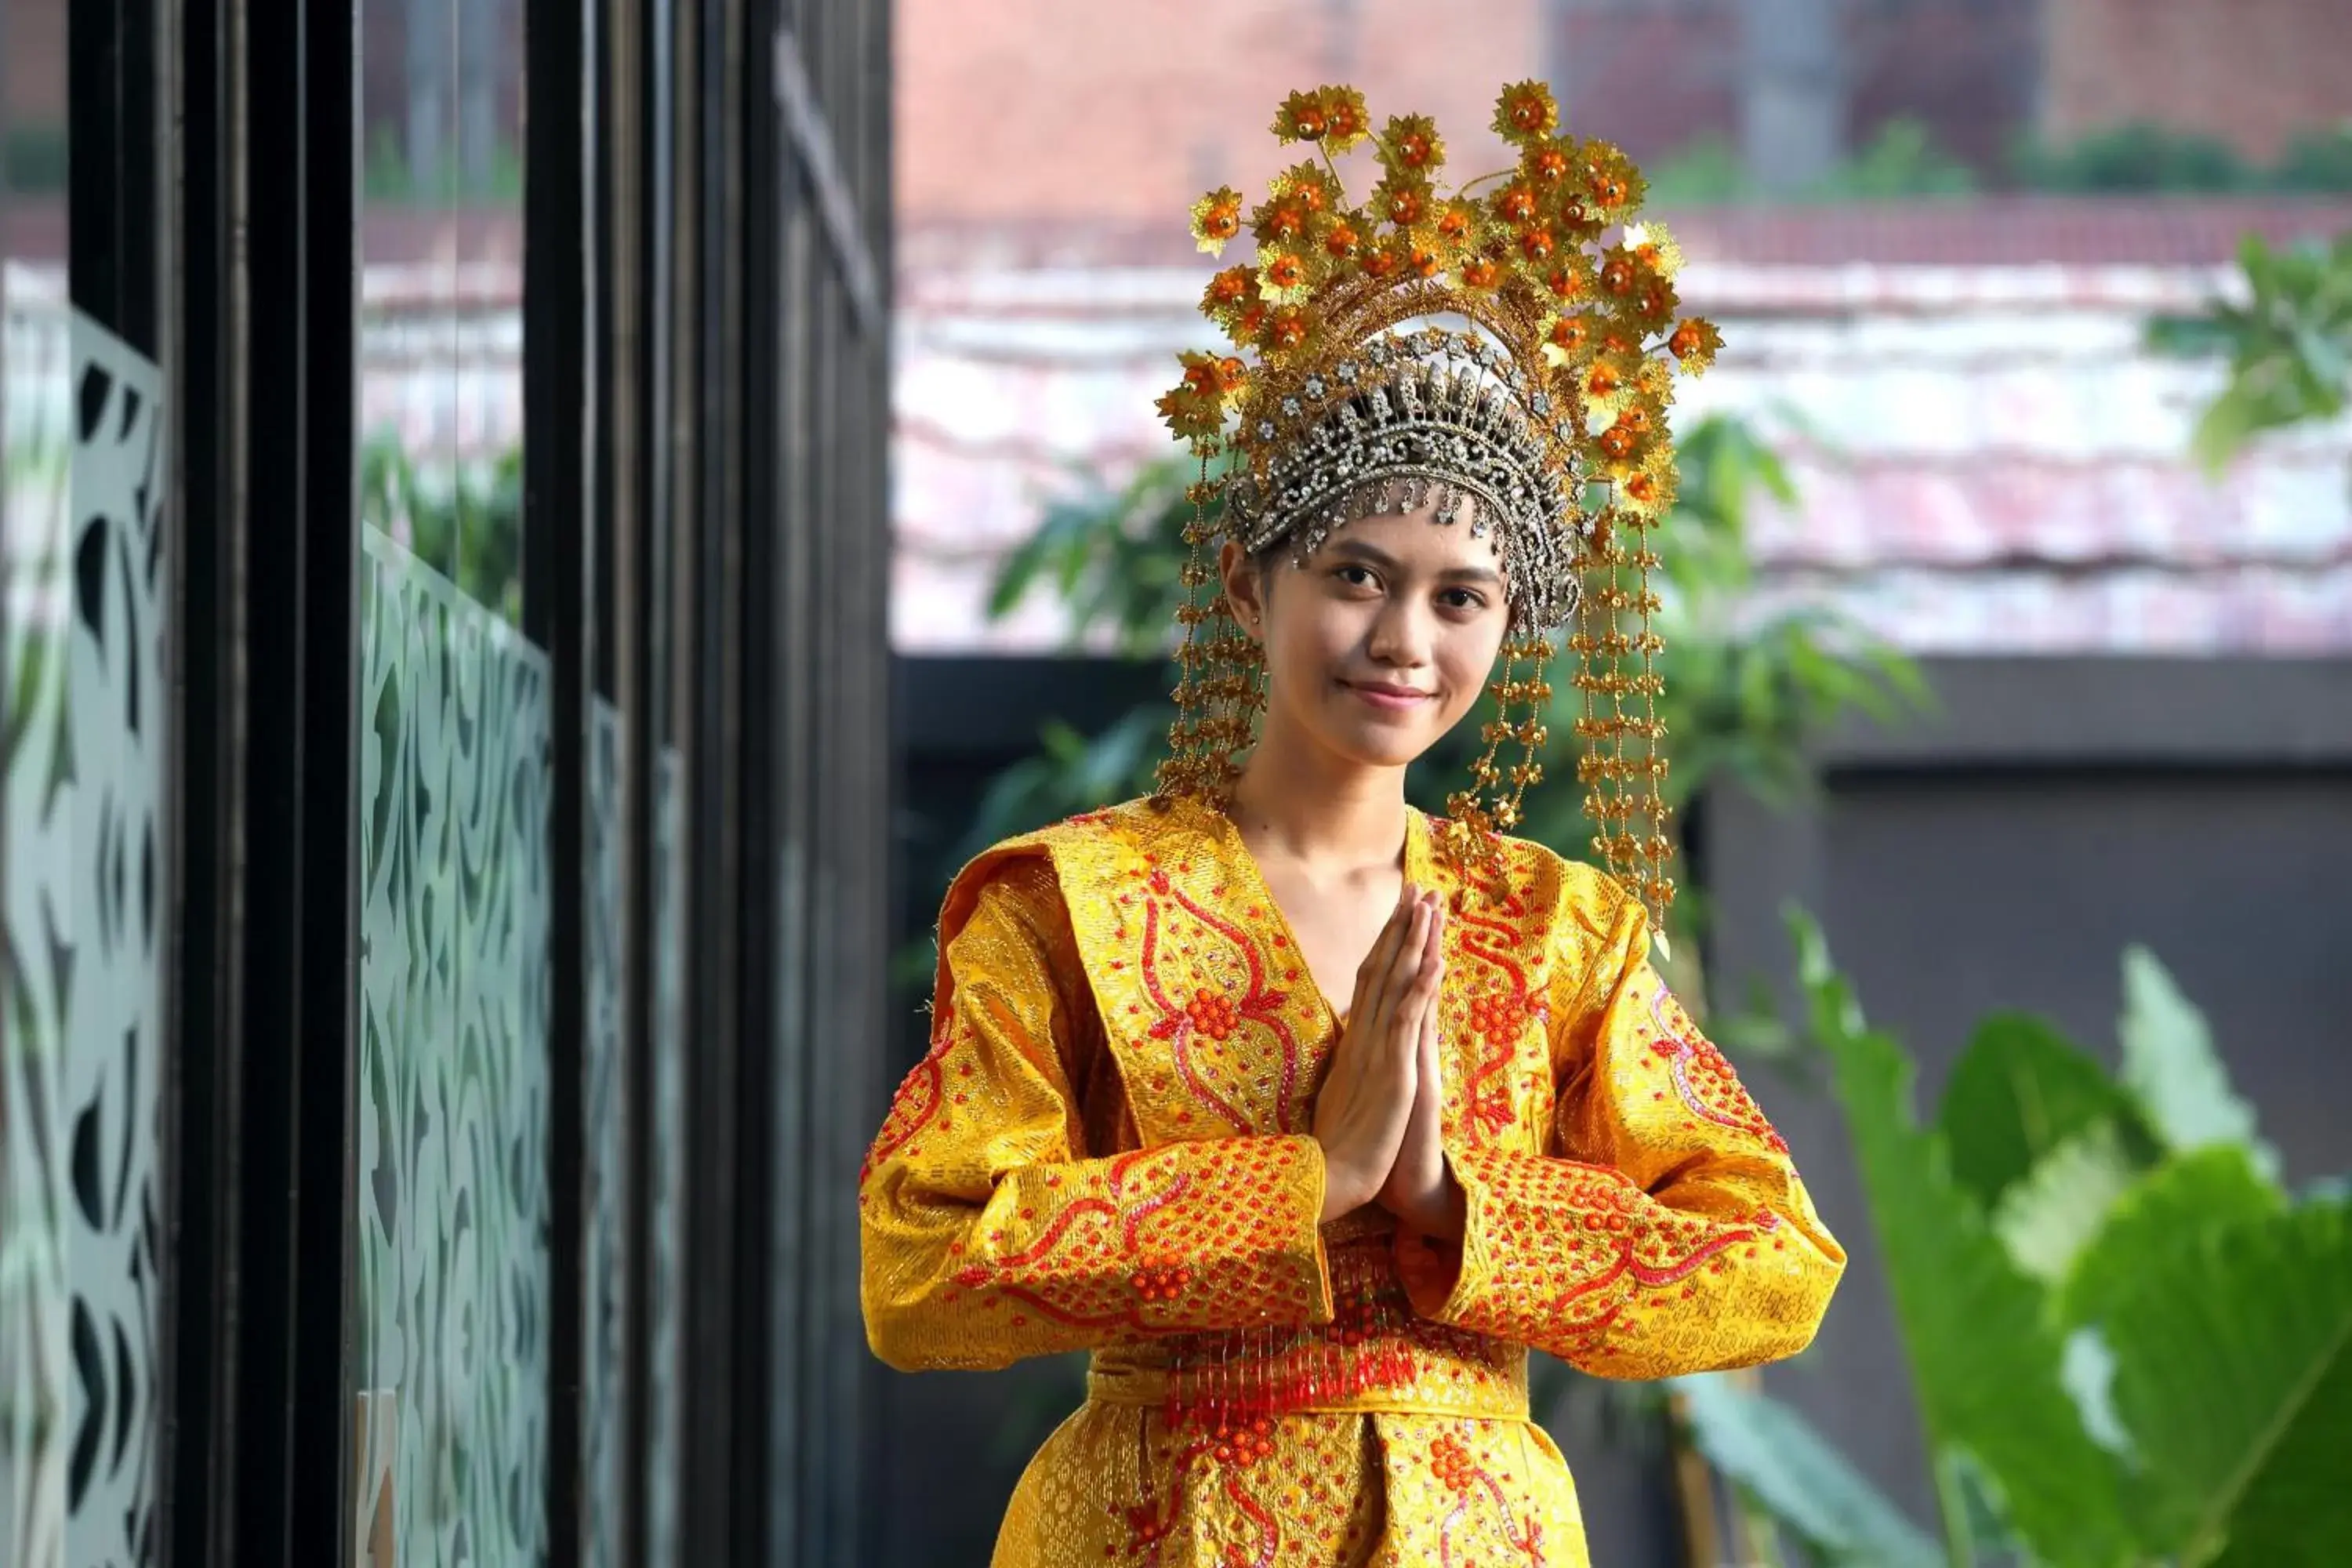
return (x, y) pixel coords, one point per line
(1214, 1015)
(1175, 1025)
(1158, 1279)
(1269, 1540)
(911, 1109)
(1676, 1273)
(1597, 1210)
(1460, 1474)
(1688, 1051)
(1147, 1527)
(1260, 1006)
(1233, 1449)
(1150, 1206)
(1498, 1018)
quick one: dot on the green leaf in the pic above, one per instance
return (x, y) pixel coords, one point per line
(1984, 1356)
(2217, 1186)
(1807, 1485)
(2231, 1332)
(2048, 1218)
(2169, 1064)
(2223, 431)
(2019, 1091)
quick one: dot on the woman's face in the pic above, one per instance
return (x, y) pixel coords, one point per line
(1383, 640)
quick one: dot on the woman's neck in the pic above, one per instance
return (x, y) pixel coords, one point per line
(1300, 801)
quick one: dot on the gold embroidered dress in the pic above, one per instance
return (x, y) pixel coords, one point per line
(1108, 1148)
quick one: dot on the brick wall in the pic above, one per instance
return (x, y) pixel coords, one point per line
(1078, 110)
(33, 62)
(1657, 76)
(2254, 72)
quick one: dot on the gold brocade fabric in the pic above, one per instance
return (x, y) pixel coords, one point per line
(1108, 1148)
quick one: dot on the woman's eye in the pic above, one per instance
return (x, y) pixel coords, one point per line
(1463, 599)
(1355, 576)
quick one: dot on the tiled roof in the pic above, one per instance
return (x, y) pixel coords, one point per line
(1987, 457)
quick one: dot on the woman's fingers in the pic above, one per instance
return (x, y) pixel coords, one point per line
(1400, 936)
(1430, 1063)
(1419, 968)
(1371, 975)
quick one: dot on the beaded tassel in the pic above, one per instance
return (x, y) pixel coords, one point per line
(1224, 1385)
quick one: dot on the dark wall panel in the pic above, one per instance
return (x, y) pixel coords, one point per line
(2001, 856)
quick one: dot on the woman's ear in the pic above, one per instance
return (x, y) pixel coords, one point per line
(1244, 588)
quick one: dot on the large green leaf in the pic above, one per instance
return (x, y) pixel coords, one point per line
(1806, 1484)
(1985, 1357)
(2019, 1092)
(2169, 1064)
(2046, 1219)
(2217, 1188)
(2229, 1317)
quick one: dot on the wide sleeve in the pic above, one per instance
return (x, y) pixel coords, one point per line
(986, 1231)
(1665, 1230)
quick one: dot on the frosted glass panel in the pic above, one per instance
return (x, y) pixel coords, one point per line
(83, 750)
(450, 1227)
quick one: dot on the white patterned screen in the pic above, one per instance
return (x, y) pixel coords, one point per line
(450, 1197)
(84, 751)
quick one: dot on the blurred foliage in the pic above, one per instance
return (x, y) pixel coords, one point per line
(1902, 162)
(1745, 691)
(2137, 157)
(2128, 1344)
(2289, 344)
(2149, 159)
(467, 528)
(2317, 160)
(391, 176)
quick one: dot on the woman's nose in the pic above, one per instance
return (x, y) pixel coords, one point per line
(1400, 637)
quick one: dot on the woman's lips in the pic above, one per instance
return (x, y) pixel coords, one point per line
(1389, 699)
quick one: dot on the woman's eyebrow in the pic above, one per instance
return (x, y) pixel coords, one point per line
(1373, 555)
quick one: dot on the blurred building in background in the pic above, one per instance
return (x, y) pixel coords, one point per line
(1988, 460)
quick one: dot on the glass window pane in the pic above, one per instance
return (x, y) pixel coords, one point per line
(449, 1226)
(84, 761)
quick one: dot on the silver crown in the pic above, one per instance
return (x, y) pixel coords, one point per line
(1438, 419)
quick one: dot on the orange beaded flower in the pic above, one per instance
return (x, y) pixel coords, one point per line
(1216, 219)
(1162, 1281)
(1212, 1013)
(1411, 141)
(1526, 111)
(1451, 1462)
(1333, 116)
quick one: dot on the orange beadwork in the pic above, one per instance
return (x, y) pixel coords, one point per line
(1525, 111)
(1217, 218)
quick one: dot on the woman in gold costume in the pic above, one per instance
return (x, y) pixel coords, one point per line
(1309, 1114)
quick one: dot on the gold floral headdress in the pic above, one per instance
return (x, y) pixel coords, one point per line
(1542, 398)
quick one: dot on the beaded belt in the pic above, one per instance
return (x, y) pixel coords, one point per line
(1375, 1354)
